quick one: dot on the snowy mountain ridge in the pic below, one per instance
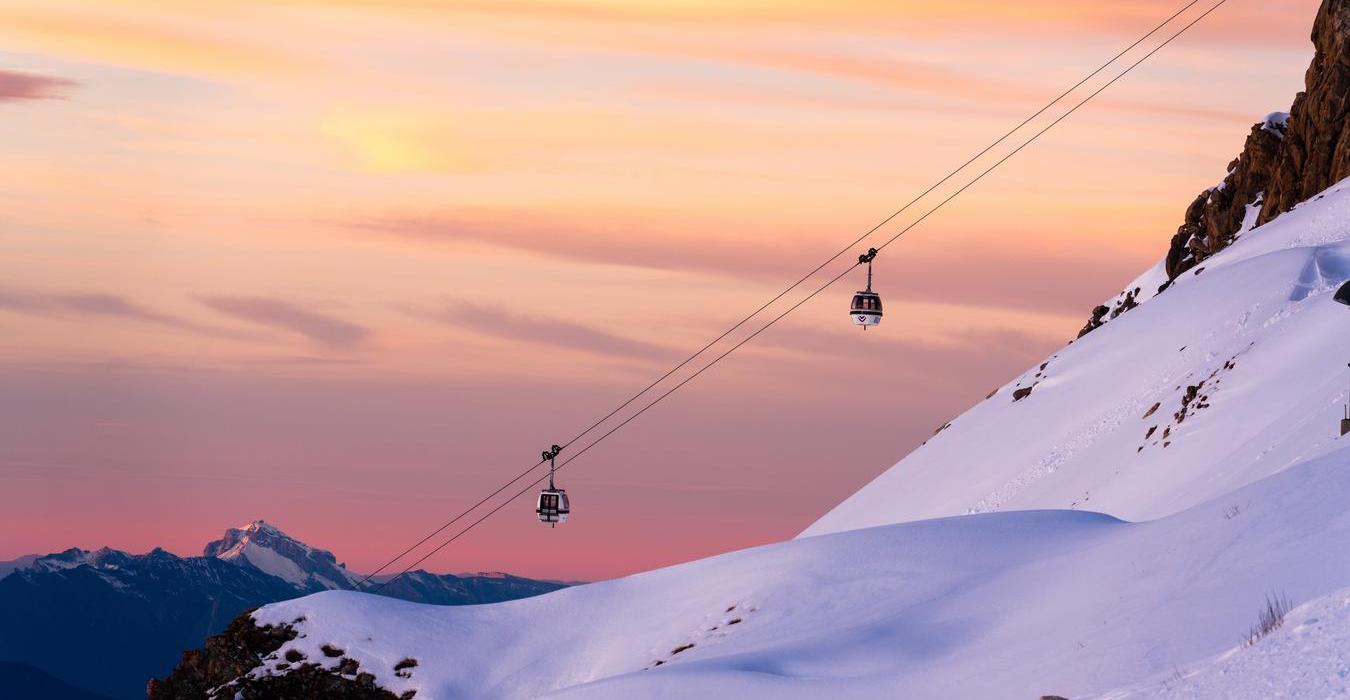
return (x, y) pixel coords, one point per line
(268, 549)
(106, 620)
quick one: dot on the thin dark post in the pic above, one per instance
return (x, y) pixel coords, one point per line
(1345, 422)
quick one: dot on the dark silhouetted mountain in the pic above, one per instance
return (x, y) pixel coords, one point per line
(8, 567)
(107, 621)
(22, 682)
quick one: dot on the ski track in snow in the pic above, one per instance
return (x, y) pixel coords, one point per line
(1057, 457)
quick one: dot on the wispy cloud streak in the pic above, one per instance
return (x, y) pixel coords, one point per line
(540, 330)
(100, 304)
(320, 328)
(16, 86)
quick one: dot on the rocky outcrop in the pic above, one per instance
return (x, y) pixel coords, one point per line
(225, 658)
(1315, 152)
(223, 669)
(1287, 159)
(1215, 218)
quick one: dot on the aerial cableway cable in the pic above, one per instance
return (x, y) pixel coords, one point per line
(1051, 125)
(798, 283)
(626, 421)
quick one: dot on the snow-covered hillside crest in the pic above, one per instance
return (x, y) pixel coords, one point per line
(1237, 372)
(1243, 485)
(268, 549)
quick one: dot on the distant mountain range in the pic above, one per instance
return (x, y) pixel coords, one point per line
(23, 681)
(106, 621)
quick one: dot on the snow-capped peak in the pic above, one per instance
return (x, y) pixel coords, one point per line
(266, 548)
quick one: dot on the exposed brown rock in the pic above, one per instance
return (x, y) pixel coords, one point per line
(221, 668)
(1098, 318)
(1316, 149)
(1215, 217)
(1283, 162)
(226, 656)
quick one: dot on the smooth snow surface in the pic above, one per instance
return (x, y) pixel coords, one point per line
(1308, 657)
(1254, 323)
(1000, 605)
(269, 562)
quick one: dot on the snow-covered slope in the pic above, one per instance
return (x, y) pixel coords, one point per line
(1209, 414)
(998, 605)
(1202, 418)
(1308, 656)
(1112, 423)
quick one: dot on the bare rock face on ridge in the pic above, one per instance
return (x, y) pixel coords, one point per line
(1287, 159)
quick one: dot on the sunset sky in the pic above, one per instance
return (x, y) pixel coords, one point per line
(346, 266)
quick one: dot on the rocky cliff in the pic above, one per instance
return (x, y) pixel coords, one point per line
(1288, 157)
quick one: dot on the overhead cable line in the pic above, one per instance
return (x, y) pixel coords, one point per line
(1051, 125)
(803, 279)
(626, 421)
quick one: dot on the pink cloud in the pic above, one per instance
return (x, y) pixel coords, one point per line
(320, 328)
(1015, 273)
(16, 86)
(99, 304)
(540, 330)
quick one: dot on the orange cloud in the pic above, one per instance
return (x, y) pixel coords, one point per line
(392, 142)
(145, 41)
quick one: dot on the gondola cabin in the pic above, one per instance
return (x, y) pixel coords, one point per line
(866, 309)
(553, 507)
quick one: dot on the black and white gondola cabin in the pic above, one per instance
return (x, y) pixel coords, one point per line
(866, 307)
(553, 507)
